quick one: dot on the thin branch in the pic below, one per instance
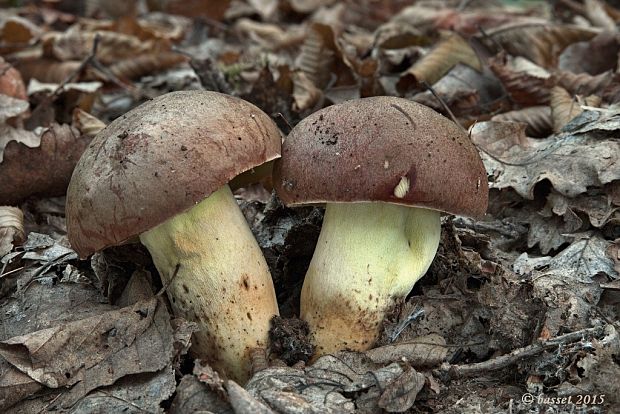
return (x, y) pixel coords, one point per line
(448, 371)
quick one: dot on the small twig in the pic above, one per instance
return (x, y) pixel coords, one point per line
(443, 105)
(448, 371)
(85, 63)
(279, 114)
(10, 271)
(402, 325)
(113, 78)
(167, 285)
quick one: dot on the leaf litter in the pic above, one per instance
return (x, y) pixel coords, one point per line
(525, 300)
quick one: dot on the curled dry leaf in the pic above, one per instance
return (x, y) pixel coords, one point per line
(467, 92)
(539, 42)
(95, 351)
(307, 96)
(537, 118)
(564, 107)
(571, 163)
(17, 33)
(192, 396)
(398, 35)
(594, 56)
(583, 83)
(451, 50)
(11, 228)
(595, 12)
(424, 351)
(242, 402)
(87, 124)
(401, 393)
(43, 170)
(317, 54)
(309, 6)
(136, 67)
(524, 88)
(191, 8)
(270, 36)
(47, 70)
(75, 44)
(11, 82)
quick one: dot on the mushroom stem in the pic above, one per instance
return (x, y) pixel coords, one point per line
(218, 278)
(368, 256)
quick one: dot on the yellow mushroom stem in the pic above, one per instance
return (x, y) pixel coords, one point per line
(368, 256)
(218, 278)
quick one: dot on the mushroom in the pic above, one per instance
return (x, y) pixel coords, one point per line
(385, 167)
(160, 172)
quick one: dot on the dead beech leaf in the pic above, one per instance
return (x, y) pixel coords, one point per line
(583, 83)
(400, 394)
(242, 402)
(305, 93)
(46, 70)
(424, 351)
(11, 228)
(596, 13)
(537, 118)
(96, 351)
(11, 82)
(398, 35)
(467, 92)
(564, 107)
(136, 67)
(308, 6)
(539, 42)
(593, 56)
(499, 136)
(11, 107)
(17, 33)
(75, 44)
(524, 88)
(9, 134)
(87, 124)
(192, 396)
(317, 54)
(44, 169)
(191, 8)
(572, 163)
(270, 36)
(448, 52)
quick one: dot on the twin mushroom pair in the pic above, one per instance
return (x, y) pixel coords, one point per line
(383, 166)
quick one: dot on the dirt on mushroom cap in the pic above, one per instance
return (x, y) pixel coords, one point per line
(160, 159)
(382, 149)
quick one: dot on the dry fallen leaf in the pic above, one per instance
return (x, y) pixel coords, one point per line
(565, 107)
(136, 67)
(524, 88)
(571, 163)
(11, 228)
(424, 351)
(539, 42)
(400, 394)
(537, 118)
(11, 82)
(448, 52)
(42, 170)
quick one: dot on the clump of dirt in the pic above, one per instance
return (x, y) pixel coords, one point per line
(290, 340)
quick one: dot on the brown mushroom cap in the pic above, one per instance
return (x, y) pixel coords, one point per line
(159, 160)
(382, 149)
